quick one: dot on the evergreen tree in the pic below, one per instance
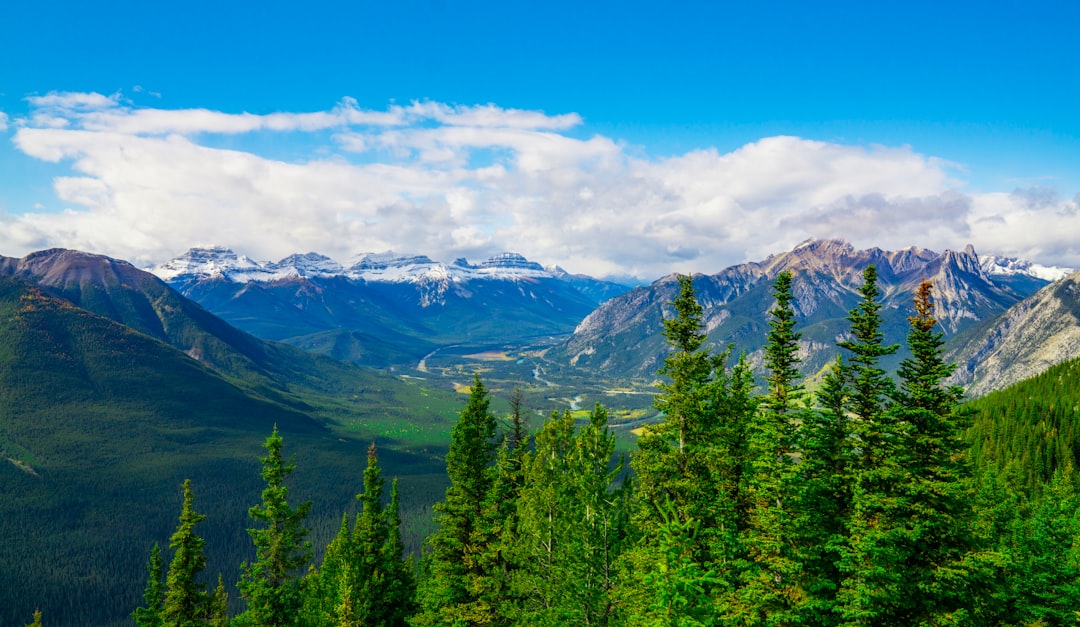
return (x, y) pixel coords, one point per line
(547, 514)
(692, 465)
(322, 586)
(870, 387)
(872, 589)
(602, 531)
(1046, 556)
(772, 590)
(400, 591)
(500, 523)
(218, 608)
(679, 583)
(825, 507)
(37, 619)
(380, 586)
(186, 600)
(574, 519)
(154, 595)
(937, 483)
(271, 585)
(449, 591)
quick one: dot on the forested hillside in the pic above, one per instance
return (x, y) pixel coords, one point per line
(858, 504)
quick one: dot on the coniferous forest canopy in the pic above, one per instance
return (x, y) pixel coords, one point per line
(872, 499)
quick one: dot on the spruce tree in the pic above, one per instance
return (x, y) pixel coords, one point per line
(937, 488)
(547, 512)
(218, 605)
(872, 588)
(448, 593)
(400, 591)
(602, 531)
(500, 523)
(186, 600)
(37, 619)
(379, 579)
(154, 595)
(271, 585)
(825, 503)
(691, 465)
(574, 518)
(772, 590)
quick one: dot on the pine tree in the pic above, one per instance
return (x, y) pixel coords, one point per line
(937, 488)
(870, 387)
(322, 586)
(37, 619)
(772, 590)
(400, 591)
(379, 580)
(826, 497)
(271, 585)
(448, 593)
(692, 466)
(500, 523)
(602, 531)
(574, 518)
(154, 595)
(186, 600)
(218, 607)
(872, 587)
(547, 514)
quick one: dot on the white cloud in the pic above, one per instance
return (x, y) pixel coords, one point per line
(452, 181)
(3, 122)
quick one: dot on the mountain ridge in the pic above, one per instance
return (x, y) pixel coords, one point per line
(624, 335)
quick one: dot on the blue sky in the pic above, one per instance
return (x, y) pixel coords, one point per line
(674, 136)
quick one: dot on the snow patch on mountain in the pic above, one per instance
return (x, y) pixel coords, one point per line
(1010, 266)
(385, 267)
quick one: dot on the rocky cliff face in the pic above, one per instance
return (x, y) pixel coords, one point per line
(1040, 331)
(624, 336)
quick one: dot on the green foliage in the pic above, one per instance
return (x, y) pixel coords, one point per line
(271, 585)
(692, 465)
(154, 596)
(186, 602)
(771, 588)
(678, 584)
(450, 591)
(574, 518)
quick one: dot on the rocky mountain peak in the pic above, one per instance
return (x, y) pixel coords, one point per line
(209, 261)
(308, 264)
(511, 261)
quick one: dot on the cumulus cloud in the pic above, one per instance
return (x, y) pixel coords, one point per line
(3, 122)
(451, 181)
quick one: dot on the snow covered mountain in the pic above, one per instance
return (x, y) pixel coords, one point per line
(389, 267)
(385, 308)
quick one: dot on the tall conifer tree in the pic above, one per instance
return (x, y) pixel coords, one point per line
(154, 595)
(272, 585)
(772, 590)
(689, 468)
(937, 490)
(872, 588)
(449, 591)
(186, 601)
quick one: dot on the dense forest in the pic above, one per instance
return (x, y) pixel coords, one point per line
(873, 500)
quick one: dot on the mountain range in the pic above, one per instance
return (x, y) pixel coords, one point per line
(116, 386)
(624, 336)
(385, 309)
(389, 310)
